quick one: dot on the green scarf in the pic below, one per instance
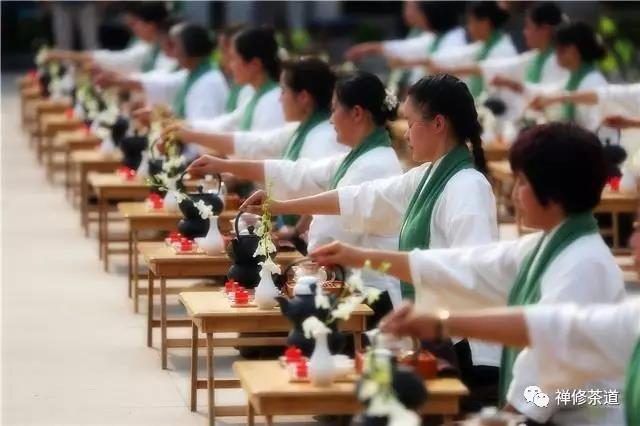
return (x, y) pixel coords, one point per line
(179, 103)
(378, 138)
(576, 77)
(534, 72)
(476, 84)
(247, 117)
(232, 100)
(292, 151)
(632, 389)
(435, 44)
(150, 59)
(526, 288)
(416, 225)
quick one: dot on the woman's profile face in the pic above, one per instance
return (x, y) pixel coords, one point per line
(239, 68)
(178, 49)
(291, 101)
(531, 211)
(421, 133)
(343, 121)
(568, 56)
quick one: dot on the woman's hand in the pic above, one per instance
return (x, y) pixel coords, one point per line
(358, 51)
(179, 131)
(405, 321)
(502, 81)
(142, 115)
(254, 203)
(339, 253)
(205, 165)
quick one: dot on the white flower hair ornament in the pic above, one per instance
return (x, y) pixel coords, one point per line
(390, 100)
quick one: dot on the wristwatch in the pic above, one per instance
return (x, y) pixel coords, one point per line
(442, 328)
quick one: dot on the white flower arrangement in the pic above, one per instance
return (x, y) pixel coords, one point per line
(265, 245)
(313, 327)
(390, 100)
(40, 56)
(376, 387)
(271, 266)
(205, 210)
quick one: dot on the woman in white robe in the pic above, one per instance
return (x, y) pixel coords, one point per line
(359, 114)
(442, 119)
(254, 62)
(560, 173)
(306, 87)
(484, 24)
(570, 344)
(143, 54)
(577, 50)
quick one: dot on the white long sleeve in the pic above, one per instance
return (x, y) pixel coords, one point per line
(623, 99)
(587, 343)
(161, 87)
(302, 178)
(207, 96)
(129, 59)
(263, 144)
(588, 116)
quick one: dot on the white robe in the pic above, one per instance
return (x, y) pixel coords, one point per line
(267, 115)
(321, 142)
(588, 343)
(309, 177)
(463, 216)
(515, 68)
(587, 116)
(418, 48)
(585, 272)
(205, 99)
(127, 60)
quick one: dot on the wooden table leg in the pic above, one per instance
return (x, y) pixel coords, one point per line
(100, 228)
(150, 285)
(104, 207)
(251, 414)
(210, 381)
(136, 273)
(269, 420)
(84, 201)
(130, 263)
(163, 321)
(194, 367)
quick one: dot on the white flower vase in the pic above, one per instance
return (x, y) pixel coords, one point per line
(107, 146)
(266, 291)
(170, 202)
(212, 243)
(321, 365)
(143, 168)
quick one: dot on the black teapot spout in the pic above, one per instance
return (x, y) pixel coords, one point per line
(284, 304)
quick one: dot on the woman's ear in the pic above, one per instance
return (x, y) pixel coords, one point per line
(440, 123)
(357, 113)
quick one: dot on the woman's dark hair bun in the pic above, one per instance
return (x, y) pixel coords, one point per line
(489, 10)
(366, 90)
(581, 35)
(546, 13)
(259, 43)
(312, 75)
(195, 39)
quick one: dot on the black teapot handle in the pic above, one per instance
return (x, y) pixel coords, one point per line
(219, 177)
(235, 222)
(618, 134)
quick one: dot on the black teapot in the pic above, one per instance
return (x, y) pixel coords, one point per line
(245, 268)
(302, 306)
(132, 147)
(119, 130)
(192, 225)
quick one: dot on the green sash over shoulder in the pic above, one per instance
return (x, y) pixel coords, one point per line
(292, 151)
(232, 100)
(534, 72)
(476, 84)
(379, 137)
(632, 389)
(416, 226)
(179, 103)
(526, 288)
(576, 77)
(150, 59)
(247, 117)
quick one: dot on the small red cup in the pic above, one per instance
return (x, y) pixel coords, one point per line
(292, 354)
(302, 370)
(69, 113)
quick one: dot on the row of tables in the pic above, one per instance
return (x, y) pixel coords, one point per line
(92, 185)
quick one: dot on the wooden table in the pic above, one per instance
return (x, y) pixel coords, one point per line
(139, 218)
(496, 151)
(270, 394)
(211, 313)
(82, 163)
(51, 124)
(29, 95)
(112, 187)
(65, 142)
(163, 263)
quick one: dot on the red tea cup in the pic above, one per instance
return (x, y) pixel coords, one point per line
(301, 369)
(292, 354)
(69, 113)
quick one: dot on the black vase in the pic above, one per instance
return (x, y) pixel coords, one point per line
(192, 225)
